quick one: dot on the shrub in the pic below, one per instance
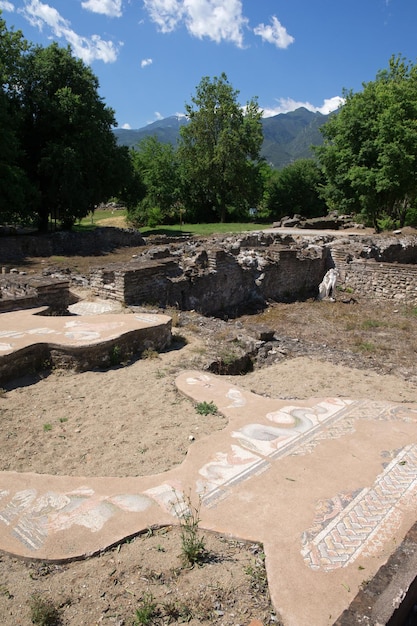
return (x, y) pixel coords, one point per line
(206, 408)
(43, 612)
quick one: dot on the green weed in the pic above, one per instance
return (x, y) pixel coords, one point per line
(115, 355)
(206, 408)
(147, 611)
(366, 346)
(193, 545)
(150, 353)
(43, 612)
(368, 324)
(47, 427)
(177, 612)
(257, 574)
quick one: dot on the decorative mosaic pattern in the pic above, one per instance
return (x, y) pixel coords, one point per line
(360, 523)
(34, 516)
(262, 431)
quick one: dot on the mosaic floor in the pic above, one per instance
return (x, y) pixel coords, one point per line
(329, 485)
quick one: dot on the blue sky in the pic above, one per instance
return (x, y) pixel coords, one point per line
(149, 55)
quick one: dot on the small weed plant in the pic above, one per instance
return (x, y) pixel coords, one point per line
(193, 544)
(369, 324)
(177, 612)
(150, 353)
(147, 611)
(366, 346)
(43, 611)
(257, 574)
(47, 427)
(206, 408)
(115, 356)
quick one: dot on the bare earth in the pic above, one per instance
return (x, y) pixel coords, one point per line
(131, 421)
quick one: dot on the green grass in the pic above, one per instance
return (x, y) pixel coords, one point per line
(203, 230)
(176, 230)
(92, 221)
(206, 408)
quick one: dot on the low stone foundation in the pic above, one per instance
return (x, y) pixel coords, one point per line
(27, 292)
(213, 278)
(66, 343)
(15, 247)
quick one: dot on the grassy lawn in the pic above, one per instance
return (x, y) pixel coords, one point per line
(109, 218)
(202, 229)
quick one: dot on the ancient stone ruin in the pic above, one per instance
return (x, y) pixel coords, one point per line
(225, 275)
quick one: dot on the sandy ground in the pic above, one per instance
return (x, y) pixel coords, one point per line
(131, 421)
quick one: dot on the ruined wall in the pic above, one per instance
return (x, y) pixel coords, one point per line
(23, 292)
(13, 248)
(391, 281)
(41, 356)
(387, 270)
(213, 279)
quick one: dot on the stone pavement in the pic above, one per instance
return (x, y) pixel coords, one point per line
(29, 340)
(27, 327)
(328, 485)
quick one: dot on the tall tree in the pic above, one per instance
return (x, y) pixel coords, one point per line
(156, 166)
(219, 151)
(295, 189)
(370, 151)
(14, 185)
(67, 136)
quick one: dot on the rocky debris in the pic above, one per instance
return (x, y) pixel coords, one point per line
(234, 348)
(332, 221)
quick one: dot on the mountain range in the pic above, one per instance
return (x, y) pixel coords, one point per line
(287, 136)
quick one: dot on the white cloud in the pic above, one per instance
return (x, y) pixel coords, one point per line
(6, 6)
(146, 62)
(288, 104)
(90, 49)
(275, 33)
(167, 14)
(111, 8)
(126, 126)
(219, 20)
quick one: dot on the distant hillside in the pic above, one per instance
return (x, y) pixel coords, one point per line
(166, 130)
(287, 136)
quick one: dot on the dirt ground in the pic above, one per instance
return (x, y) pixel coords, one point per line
(131, 421)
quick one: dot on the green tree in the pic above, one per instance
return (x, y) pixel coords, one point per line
(295, 189)
(71, 155)
(157, 167)
(14, 185)
(219, 152)
(370, 151)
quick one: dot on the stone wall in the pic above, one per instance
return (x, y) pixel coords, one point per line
(388, 271)
(226, 274)
(214, 279)
(43, 356)
(13, 248)
(391, 281)
(25, 292)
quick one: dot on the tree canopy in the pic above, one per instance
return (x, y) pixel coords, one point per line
(156, 165)
(295, 189)
(370, 152)
(59, 156)
(219, 151)
(13, 181)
